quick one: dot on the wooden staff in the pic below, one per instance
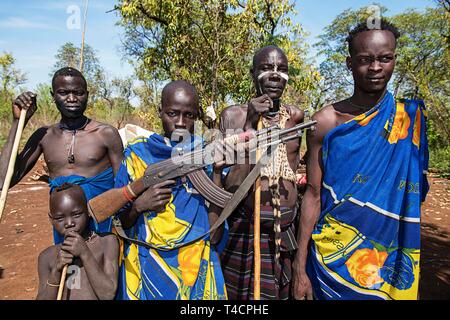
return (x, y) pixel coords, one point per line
(12, 161)
(86, 4)
(256, 232)
(61, 282)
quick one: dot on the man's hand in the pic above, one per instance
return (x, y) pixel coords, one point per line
(302, 284)
(256, 107)
(27, 101)
(224, 155)
(74, 244)
(154, 198)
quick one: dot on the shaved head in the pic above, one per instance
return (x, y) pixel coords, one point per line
(179, 108)
(270, 72)
(66, 190)
(264, 51)
(175, 88)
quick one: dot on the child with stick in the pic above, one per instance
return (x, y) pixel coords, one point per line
(92, 258)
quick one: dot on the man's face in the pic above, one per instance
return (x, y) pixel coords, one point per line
(70, 95)
(179, 112)
(270, 73)
(68, 211)
(372, 60)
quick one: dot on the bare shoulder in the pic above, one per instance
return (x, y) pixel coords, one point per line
(108, 132)
(42, 131)
(233, 117)
(48, 254)
(297, 115)
(109, 241)
(326, 121)
(103, 128)
(234, 111)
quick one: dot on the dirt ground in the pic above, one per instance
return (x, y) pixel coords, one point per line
(25, 231)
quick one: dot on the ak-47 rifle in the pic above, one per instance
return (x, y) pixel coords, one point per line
(107, 204)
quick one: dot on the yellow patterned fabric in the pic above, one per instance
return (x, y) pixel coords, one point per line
(190, 272)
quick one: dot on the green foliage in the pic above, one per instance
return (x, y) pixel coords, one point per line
(440, 161)
(10, 79)
(421, 69)
(69, 55)
(211, 43)
(337, 83)
(423, 64)
(47, 112)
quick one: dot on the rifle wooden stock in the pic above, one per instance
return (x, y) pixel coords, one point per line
(108, 203)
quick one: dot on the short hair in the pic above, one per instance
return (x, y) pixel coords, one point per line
(181, 85)
(362, 26)
(67, 72)
(266, 48)
(66, 186)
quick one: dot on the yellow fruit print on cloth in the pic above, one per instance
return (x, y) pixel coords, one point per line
(363, 119)
(416, 131)
(364, 266)
(401, 124)
(189, 259)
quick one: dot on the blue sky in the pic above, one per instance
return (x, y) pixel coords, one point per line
(33, 30)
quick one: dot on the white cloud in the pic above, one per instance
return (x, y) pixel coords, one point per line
(17, 22)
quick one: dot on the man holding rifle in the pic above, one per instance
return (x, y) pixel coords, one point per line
(168, 217)
(278, 187)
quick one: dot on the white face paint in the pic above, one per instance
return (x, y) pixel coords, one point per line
(273, 72)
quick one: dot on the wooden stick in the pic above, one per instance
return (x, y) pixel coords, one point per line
(82, 37)
(12, 161)
(61, 282)
(256, 232)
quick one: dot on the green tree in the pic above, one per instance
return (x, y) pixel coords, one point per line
(423, 64)
(10, 78)
(421, 70)
(336, 82)
(69, 55)
(211, 43)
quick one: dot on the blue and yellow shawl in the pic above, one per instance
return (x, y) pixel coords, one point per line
(191, 272)
(366, 244)
(92, 187)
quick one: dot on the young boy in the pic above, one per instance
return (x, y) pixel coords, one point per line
(93, 259)
(167, 215)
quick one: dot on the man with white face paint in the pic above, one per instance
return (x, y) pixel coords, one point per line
(278, 187)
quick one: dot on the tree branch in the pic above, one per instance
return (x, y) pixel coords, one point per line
(151, 17)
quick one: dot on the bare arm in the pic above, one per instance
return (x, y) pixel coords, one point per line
(114, 146)
(215, 211)
(26, 159)
(24, 162)
(310, 209)
(102, 277)
(49, 270)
